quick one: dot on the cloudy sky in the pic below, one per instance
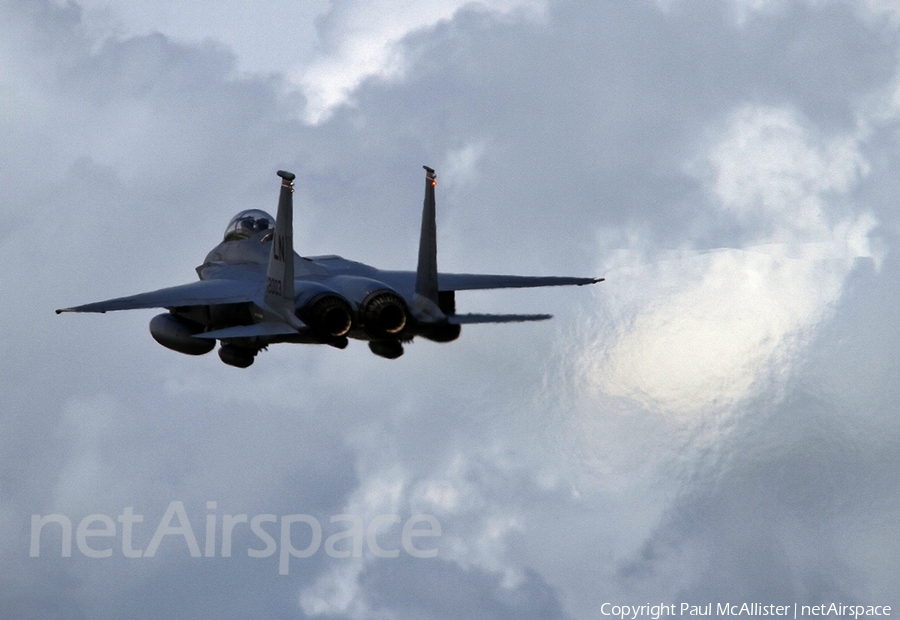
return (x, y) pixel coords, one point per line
(715, 422)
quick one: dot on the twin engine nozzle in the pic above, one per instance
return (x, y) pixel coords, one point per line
(382, 314)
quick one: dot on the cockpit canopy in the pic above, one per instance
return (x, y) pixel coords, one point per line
(248, 223)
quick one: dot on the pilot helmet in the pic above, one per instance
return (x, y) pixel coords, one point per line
(247, 223)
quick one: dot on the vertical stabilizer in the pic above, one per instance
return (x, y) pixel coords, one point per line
(427, 273)
(280, 274)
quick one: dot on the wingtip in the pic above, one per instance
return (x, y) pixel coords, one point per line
(79, 309)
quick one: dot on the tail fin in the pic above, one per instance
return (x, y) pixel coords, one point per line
(426, 273)
(280, 274)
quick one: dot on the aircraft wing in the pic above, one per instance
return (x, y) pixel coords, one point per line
(200, 293)
(475, 281)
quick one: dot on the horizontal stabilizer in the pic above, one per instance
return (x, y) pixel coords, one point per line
(469, 319)
(201, 293)
(267, 328)
(477, 281)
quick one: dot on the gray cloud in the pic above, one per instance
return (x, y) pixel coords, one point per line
(628, 138)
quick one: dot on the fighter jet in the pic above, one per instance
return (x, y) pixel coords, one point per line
(254, 291)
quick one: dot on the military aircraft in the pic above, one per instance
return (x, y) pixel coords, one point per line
(254, 290)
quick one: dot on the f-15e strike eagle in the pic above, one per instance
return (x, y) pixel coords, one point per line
(255, 291)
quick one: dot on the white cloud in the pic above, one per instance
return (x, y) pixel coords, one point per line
(363, 40)
(469, 496)
(461, 164)
(767, 167)
(713, 328)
